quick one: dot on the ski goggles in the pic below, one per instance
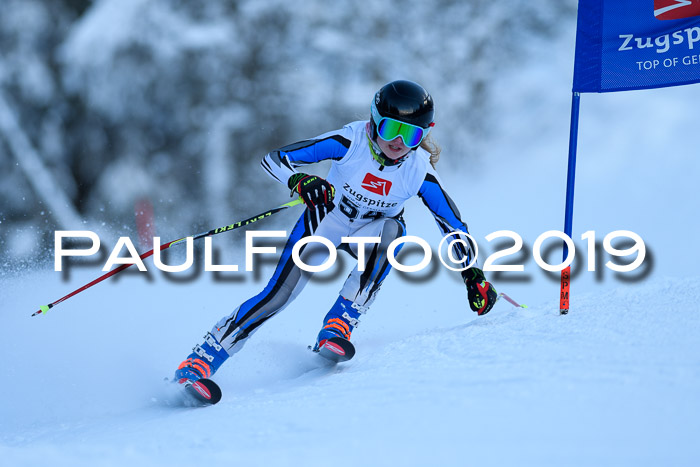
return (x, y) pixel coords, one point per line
(389, 129)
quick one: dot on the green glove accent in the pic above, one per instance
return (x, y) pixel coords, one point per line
(481, 294)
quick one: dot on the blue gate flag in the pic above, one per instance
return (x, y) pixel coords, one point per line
(636, 44)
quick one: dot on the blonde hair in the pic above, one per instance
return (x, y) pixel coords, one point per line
(433, 148)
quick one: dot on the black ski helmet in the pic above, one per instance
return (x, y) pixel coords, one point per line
(405, 101)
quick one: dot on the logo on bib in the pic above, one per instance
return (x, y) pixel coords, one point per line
(376, 185)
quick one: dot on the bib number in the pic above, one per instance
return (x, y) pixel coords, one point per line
(352, 211)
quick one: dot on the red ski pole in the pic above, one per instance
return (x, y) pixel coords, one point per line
(164, 246)
(511, 301)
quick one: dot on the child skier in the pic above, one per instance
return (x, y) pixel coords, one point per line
(377, 165)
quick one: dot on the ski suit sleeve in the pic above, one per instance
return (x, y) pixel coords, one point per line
(280, 163)
(446, 215)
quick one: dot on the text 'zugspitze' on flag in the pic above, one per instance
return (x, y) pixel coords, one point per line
(636, 44)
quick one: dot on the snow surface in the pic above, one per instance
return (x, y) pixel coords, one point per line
(616, 382)
(613, 383)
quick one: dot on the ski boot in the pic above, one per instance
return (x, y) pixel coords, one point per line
(204, 360)
(333, 342)
(193, 374)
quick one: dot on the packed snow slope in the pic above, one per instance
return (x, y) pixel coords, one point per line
(616, 382)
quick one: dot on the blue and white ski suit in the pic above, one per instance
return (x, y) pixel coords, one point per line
(369, 200)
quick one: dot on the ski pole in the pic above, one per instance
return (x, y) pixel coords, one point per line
(511, 301)
(164, 246)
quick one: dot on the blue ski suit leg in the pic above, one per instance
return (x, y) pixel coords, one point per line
(288, 279)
